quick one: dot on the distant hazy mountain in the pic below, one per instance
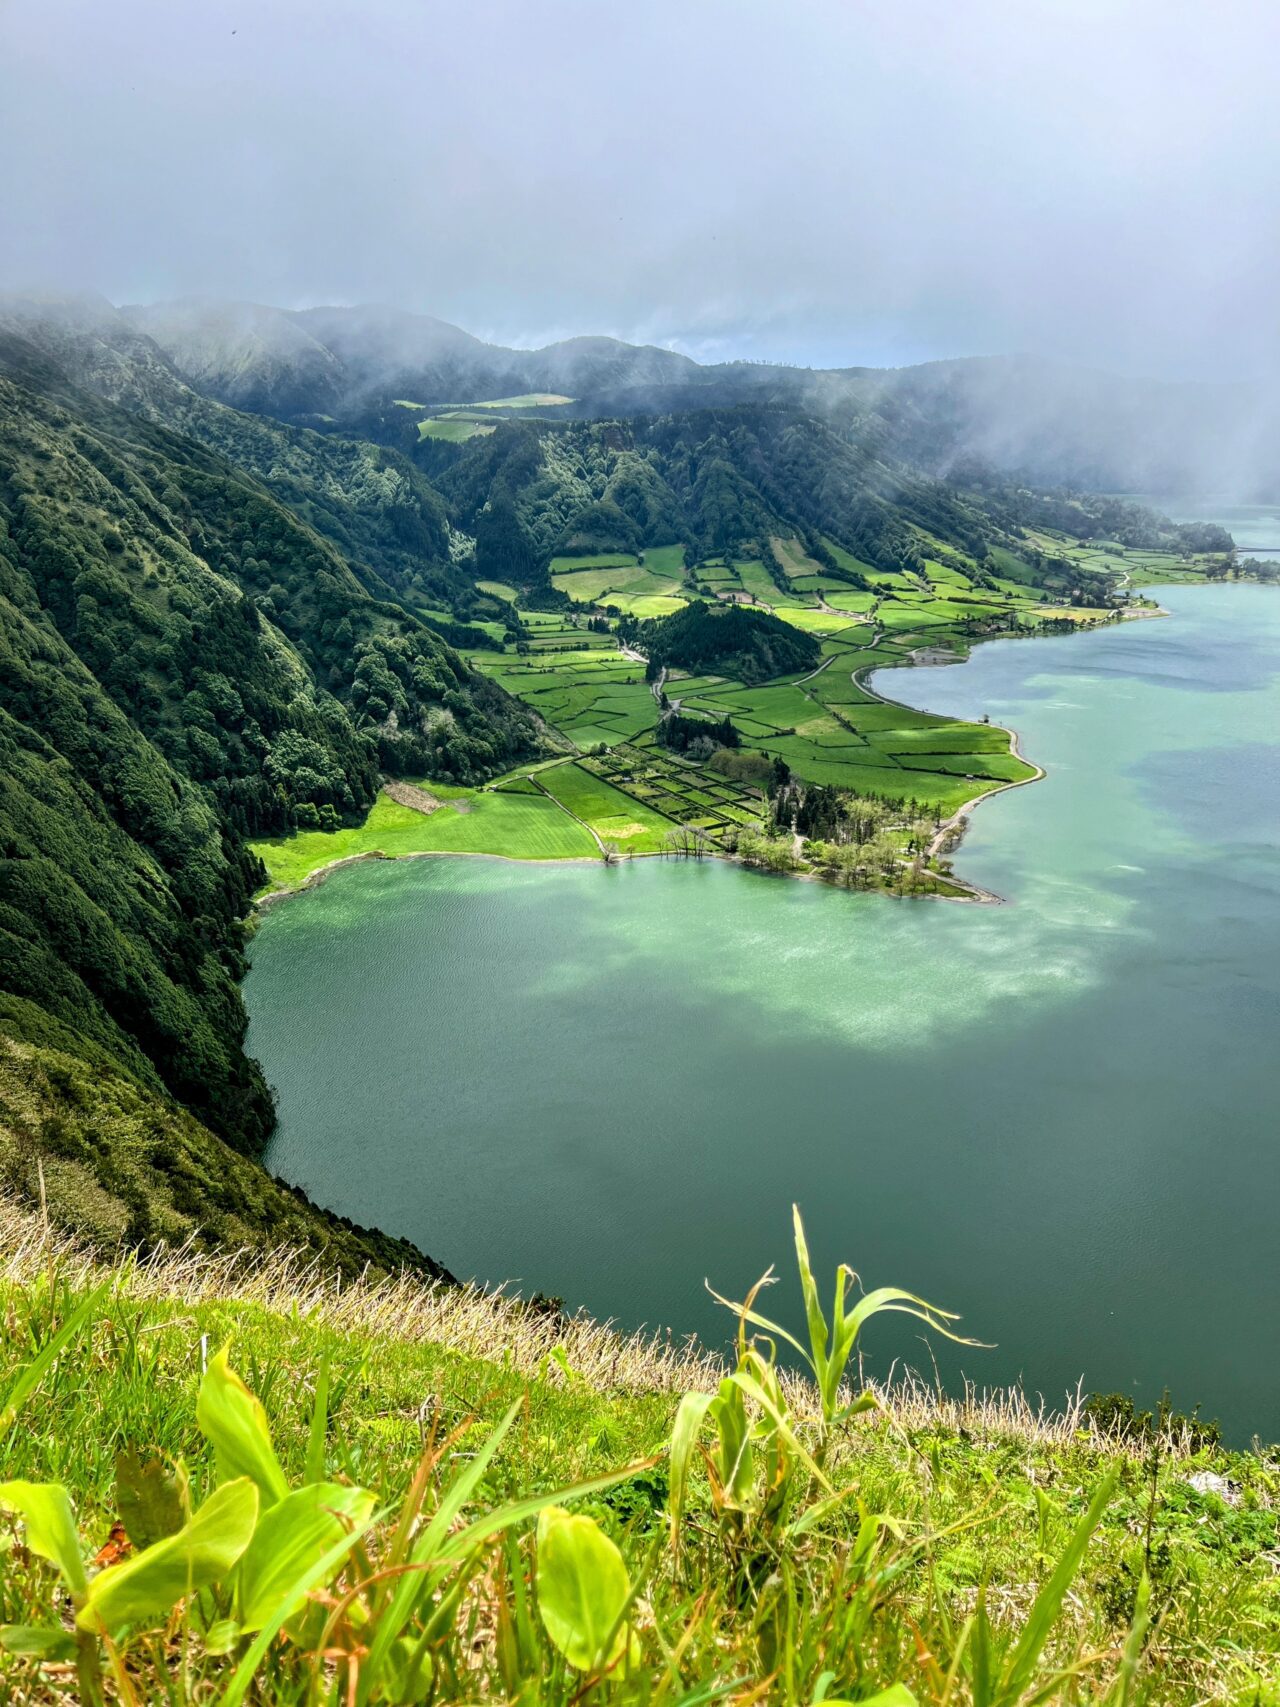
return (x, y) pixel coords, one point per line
(1062, 425)
(342, 369)
(338, 362)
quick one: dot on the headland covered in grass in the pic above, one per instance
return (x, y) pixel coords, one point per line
(509, 823)
(242, 1481)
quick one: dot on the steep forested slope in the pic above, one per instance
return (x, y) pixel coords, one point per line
(367, 500)
(208, 632)
(183, 662)
(715, 480)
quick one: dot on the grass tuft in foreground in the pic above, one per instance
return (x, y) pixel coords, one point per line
(255, 1485)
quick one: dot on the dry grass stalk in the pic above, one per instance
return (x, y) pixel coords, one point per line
(493, 1325)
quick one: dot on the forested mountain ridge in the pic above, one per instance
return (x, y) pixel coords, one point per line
(308, 363)
(184, 663)
(867, 457)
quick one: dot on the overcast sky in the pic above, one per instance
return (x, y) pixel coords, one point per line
(823, 181)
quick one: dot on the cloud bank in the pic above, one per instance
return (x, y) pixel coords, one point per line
(831, 182)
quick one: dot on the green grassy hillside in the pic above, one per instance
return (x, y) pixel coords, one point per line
(438, 1496)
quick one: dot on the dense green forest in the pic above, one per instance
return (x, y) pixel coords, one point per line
(719, 480)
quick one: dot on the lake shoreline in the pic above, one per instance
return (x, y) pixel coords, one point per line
(322, 873)
(973, 894)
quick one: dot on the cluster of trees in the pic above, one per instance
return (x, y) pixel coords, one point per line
(699, 734)
(872, 863)
(1250, 568)
(756, 847)
(722, 639)
(820, 812)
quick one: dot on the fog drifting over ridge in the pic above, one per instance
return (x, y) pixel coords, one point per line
(826, 183)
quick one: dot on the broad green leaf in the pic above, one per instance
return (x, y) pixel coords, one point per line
(233, 1420)
(204, 1550)
(45, 1509)
(148, 1499)
(897, 1695)
(754, 1390)
(321, 1571)
(38, 1641)
(812, 1304)
(221, 1637)
(583, 1589)
(690, 1415)
(29, 1378)
(290, 1537)
(736, 1468)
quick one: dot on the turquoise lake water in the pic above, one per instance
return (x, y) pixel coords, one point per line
(1058, 1116)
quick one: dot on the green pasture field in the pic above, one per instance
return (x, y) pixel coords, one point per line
(645, 605)
(513, 825)
(594, 560)
(591, 586)
(617, 578)
(794, 559)
(756, 579)
(592, 695)
(665, 560)
(827, 727)
(615, 817)
(453, 432)
(814, 621)
(851, 740)
(526, 400)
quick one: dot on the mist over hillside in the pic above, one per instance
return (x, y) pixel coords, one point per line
(356, 369)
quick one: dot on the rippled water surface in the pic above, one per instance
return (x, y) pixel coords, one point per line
(1058, 1115)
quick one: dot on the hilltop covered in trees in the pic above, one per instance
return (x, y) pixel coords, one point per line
(723, 640)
